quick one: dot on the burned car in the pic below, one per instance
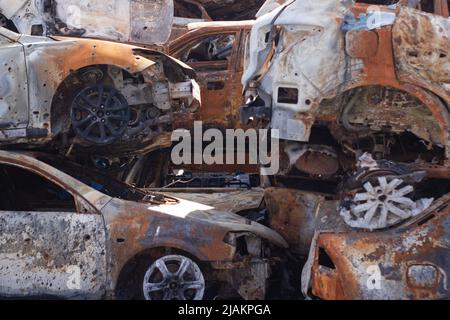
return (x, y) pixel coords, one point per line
(359, 96)
(135, 21)
(409, 261)
(103, 97)
(73, 233)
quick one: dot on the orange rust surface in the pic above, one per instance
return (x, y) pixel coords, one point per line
(133, 226)
(396, 249)
(441, 8)
(85, 52)
(327, 286)
(338, 284)
(291, 215)
(380, 68)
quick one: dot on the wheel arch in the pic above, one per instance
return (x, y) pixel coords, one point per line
(61, 109)
(437, 104)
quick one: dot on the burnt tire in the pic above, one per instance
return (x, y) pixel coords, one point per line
(100, 115)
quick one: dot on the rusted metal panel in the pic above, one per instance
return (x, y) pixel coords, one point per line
(296, 215)
(220, 107)
(422, 48)
(219, 80)
(441, 7)
(361, 43)
(292, 214)
(248, 279)
(407, 262)
(52, 254)
(233, 201)
(139, 21)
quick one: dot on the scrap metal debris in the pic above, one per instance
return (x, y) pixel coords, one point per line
(358, 92)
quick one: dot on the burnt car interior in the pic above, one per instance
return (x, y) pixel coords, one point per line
(364, 177)
(23, 190)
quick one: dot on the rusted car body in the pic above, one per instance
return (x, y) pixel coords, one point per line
(364, 57)
(215, 50)
(406, 262)
(105, 97)
(220, 10)
(356, 93)
(131, 21)
(87, 236)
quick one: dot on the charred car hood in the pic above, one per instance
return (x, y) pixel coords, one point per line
(185, 209)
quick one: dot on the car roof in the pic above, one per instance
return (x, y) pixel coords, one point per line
(220, 24)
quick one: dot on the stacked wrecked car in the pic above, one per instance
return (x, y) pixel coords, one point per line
(357, 94)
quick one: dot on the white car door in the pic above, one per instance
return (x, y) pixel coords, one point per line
(47, 248)
(137, 21)
(13, 87)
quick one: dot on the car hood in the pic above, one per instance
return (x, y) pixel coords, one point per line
(195, 211)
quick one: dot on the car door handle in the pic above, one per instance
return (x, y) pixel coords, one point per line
(215, 85)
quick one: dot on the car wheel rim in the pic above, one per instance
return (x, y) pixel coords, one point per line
(100, 114)
(174, 277)
(381, 204)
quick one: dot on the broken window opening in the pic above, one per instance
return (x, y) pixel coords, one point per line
(22, 190)
(288, 95)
